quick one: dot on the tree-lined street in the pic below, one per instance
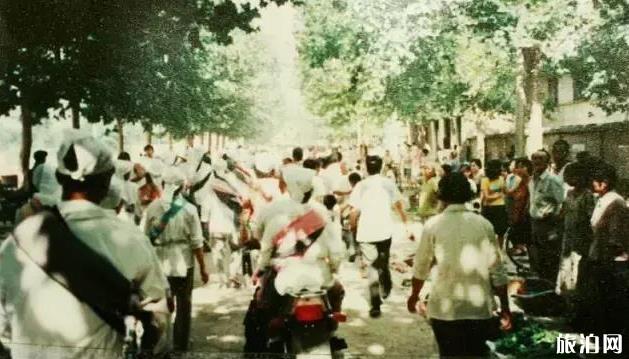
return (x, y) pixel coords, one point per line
(476, 149)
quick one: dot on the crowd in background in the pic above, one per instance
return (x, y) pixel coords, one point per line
(563, 213)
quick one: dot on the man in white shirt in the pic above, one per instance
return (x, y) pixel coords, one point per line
(173, 225)
(463, 247)
(546, 197)
(44, 318)
(374, 199)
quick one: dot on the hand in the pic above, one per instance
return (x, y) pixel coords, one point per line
(255, 278)
(411, 304)
(205, 277)
(506, 319)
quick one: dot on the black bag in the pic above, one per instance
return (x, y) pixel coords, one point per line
(88, 275)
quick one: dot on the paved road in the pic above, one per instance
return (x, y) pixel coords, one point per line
(218, 313)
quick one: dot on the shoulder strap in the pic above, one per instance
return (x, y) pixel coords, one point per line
(157, 230)
(309, 223)
(197, 186)
(86, 274)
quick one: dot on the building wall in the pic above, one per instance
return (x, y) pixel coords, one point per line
(572, 112)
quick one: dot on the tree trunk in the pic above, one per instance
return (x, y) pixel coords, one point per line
(76, 115)
(209, 141)
(413, 133)
(27, 142)
(120, 127)
(521, 113)
(171, 146)
(535, 140)
(149, 137)
(190, 140)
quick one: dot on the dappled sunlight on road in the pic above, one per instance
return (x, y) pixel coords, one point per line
(219, 313)
(376, 349)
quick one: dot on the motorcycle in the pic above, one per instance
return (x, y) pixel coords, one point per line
(306, 328)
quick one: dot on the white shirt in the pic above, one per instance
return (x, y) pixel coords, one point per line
(374, 197)
(45, 319)
(467, 258)
(324, 255)
(319, 188)
(180, 237)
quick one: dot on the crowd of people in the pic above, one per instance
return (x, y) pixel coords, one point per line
(106, 239)
(564, 213)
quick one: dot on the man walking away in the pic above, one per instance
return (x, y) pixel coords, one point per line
(375, 198)
(44, 314)
(173, 226)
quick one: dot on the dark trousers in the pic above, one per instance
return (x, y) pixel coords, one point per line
(181, 288)
(603, 298)
(545, 248)
(462, 338)
(376, 255)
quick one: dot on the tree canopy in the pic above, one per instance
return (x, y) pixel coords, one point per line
(153, 62)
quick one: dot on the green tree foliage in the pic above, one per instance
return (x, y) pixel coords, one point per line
(136, 60)
(601, 64)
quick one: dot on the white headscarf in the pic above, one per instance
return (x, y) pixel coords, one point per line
(173, 179)
(82, 155)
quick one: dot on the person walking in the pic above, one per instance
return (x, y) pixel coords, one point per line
(463, 247)
(546, 198)
(74, 309)
(493, 198)
(374, 199)
(174, 228)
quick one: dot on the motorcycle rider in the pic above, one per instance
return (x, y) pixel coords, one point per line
(322, 252)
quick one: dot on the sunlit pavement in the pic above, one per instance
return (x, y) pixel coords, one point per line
(218, 313)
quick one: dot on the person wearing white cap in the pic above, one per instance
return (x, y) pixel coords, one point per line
(41, 307)
(173, 225)
(326, 252)
(223, 221)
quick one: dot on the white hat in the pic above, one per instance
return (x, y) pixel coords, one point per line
(81, 155)
(298, 181)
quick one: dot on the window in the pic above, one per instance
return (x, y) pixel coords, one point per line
(580, 84)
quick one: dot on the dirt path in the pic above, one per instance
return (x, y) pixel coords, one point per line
(218, 313)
